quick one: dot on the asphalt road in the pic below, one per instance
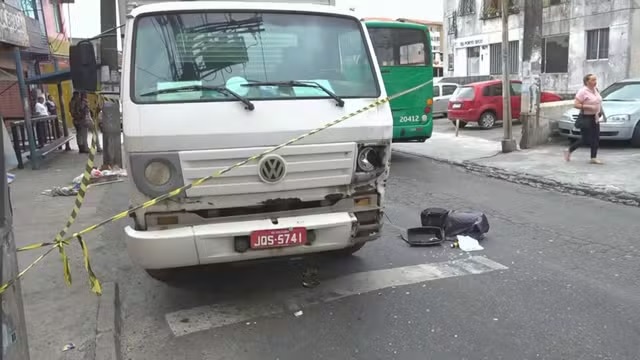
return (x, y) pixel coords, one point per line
(558, 279)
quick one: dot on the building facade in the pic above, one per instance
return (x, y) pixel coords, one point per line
(22, 43)
(579, 37)
(45, 50)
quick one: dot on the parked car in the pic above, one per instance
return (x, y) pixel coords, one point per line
(481, 103)
(621, 106)
(441, 94)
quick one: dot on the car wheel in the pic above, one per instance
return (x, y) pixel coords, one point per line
(462, 123)
(349, 251)
(635, 139)
(487, 120)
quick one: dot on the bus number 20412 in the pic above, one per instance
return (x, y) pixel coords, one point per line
(410, 119)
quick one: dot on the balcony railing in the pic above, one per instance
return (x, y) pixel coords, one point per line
(49, 134)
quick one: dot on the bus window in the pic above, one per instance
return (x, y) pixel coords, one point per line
(397, 46)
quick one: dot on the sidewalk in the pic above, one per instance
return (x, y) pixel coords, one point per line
(56, 314)
(543, 166)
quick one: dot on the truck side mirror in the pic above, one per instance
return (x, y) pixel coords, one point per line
(84, 68)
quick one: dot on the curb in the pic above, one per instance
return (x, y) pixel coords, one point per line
(107, 345)
(614, 196)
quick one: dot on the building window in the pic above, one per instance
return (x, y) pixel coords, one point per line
(495, 58)
(57, 16)
(598, 44)
(467, 7)
(30, 8)
(473, 61)
(555, 54)
(493, 8)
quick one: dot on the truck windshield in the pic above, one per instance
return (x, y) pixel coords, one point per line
(194, 51)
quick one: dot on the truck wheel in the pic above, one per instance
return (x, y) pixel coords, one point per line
(487, 120)
(635, 139)
(349, 251)
(462, 123)
(163, 275)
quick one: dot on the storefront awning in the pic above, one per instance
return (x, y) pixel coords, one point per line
(50, 78)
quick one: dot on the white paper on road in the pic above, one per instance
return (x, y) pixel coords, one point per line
(467, 243)
(202, 318)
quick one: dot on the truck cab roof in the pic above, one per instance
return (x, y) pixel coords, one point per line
(169, 6)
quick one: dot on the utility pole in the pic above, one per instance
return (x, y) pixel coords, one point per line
(508, 143)
(108, 44)
(110, 81)
(532, 133)
(13, 339)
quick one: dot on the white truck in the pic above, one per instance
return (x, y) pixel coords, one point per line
(206, 84)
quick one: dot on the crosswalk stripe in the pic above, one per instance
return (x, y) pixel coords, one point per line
(202, 318)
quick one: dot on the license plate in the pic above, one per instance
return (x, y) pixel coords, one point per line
(457, 106)
(267, 239)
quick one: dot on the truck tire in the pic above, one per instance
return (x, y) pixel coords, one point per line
(163, 275)
(349, 251)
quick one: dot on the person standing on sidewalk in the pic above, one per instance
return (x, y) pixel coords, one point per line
(79, 122)
(589, 102)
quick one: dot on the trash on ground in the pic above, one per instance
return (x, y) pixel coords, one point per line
(61, 191)
(69, 346)
(424, 236)
(298, 313)
(98, 177)
(440, 225)
(310, 277)
(466, 222)
(467, 243)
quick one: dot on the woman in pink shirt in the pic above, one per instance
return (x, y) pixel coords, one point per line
(589, 101)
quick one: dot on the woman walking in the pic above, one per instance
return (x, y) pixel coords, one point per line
(589, 102)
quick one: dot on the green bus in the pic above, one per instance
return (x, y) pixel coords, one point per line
(403, 50)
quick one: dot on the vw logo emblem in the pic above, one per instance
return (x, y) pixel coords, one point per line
(272, 169)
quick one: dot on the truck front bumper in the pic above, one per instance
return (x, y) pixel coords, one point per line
(215, 243)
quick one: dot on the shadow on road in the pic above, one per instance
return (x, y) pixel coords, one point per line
(260, 276)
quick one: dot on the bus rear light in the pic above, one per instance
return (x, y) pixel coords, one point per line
(427, 110)
(429, 102)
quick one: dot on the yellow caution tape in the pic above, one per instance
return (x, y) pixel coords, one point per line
(95, 284)
(60, 242)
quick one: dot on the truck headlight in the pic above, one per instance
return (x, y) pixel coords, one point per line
(618, 118)
(157, 173)
(369, 158)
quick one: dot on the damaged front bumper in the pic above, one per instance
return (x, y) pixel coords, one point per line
(218, 243)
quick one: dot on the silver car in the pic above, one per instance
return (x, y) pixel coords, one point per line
(441, 94)
(621, 105)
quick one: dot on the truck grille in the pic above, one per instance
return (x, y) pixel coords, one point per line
(307, 167)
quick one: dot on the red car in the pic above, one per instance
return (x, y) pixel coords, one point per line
(481, 102)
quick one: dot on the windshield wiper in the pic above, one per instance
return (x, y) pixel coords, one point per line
(221, 89)
(619, 100)
(294, 83)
